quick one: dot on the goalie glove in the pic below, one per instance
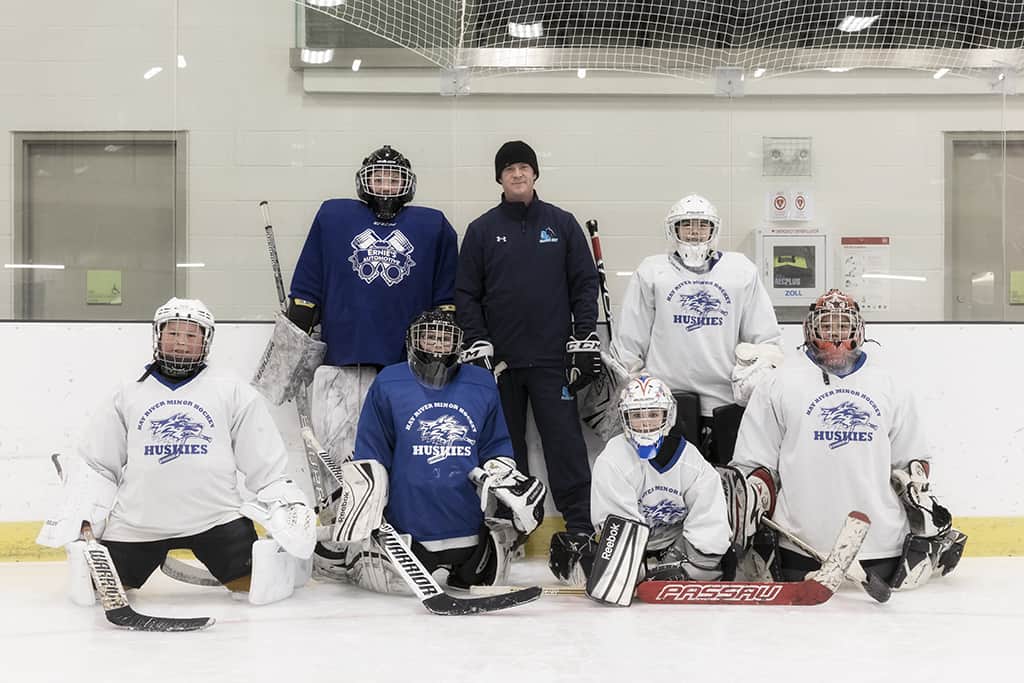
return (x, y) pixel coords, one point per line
(282, 509)
(507, 492)
(754, 362)
(927, 518)
(583, 365)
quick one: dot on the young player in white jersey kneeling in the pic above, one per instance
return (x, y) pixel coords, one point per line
(157, 471)
(652, 476)
(433, 457)
(837, 432)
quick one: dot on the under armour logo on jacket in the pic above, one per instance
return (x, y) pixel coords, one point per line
(500, 238)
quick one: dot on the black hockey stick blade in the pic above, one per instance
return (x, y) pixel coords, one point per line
(127, 618)
(446, 604)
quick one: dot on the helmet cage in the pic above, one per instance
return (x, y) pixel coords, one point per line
(834, 329)
(386, 182)
(647, 412)
(433, 343)
(187, 310)
(693, 210)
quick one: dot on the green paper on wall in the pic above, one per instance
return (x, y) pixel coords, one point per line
(103, 287)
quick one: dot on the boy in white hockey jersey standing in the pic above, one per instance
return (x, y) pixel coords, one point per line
(158, 470)
(836, 432)
(700, 320)
(652, 476)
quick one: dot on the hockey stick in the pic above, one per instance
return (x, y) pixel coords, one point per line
(544, 590)
(111, 591)
(872, 584)
(606, 297)
(431, 594)
(275, 262)
(817, 588)
(186, 573)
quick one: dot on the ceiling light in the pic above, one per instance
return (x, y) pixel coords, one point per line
(760, 72)
(852, 24)
(34, 266)
(181, 62)
(152, 72)
(356, 63)
(940, 73)
(534, 30)
(316, 56)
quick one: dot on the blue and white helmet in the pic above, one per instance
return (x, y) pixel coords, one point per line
(647, 411)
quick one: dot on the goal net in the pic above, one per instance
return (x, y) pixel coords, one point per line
(694, 37)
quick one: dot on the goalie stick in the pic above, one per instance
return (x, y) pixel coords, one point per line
(111, 591)
(872, 584)
(814, 590)
(606, 297)
(817, 588)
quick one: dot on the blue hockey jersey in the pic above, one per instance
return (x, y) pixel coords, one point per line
(429, 440)
(371, 278)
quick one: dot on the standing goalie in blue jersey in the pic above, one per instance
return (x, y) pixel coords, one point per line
(368, 267)
(433, 457)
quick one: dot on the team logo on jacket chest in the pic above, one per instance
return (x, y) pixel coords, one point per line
(700, 307)
(846, 416)
(444, 435)
(179, 434)
(389, 259)
(664, 512)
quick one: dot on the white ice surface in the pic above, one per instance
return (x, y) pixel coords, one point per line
(959, 628)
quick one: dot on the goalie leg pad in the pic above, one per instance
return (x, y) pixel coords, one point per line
(80, 588)
(372, 569)
(923, 558)
(359, 508)
(620, 556)
(747, 498)
(288, 362)
(84, 494)
(336, 399)
(273, 573)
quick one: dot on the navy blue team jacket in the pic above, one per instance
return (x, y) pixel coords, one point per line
(371, 278)
(526, 278)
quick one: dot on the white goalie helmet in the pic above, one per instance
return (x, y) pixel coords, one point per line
(177, 361)
(693, 224)
(648, 413)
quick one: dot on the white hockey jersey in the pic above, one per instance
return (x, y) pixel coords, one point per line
(832, 447)
(683, 327)
(175, 451)
(683, 498)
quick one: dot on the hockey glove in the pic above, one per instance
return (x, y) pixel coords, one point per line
(584, 361)
(507, 492)
(481, 353)
(927, 518)
(571, 557)
(754, 363)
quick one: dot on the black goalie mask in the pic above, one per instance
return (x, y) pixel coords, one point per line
(433, 342)
(386, 182)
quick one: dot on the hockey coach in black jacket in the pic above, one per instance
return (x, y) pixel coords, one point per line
(526, 298)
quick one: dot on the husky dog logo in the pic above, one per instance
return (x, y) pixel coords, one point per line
(440, 437)
(390, 258)
(698, 309)
(848, 422)
(665, 512)
(173, 434)
(547, 235)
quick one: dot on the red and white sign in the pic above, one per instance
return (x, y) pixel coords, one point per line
(789, 205)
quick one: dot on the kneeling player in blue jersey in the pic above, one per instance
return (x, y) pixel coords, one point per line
(433, 457)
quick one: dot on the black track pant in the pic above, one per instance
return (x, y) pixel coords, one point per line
(226, 550)
(558, 422)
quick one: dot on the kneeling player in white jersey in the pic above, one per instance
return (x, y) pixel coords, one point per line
(650, 475)
(701, 321)
(433, 457)
(837, 432)
(157, 471)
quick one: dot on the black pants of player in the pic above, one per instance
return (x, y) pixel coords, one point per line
(226, 550)
(795, 567)
(558, 422)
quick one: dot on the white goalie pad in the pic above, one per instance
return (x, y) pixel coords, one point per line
(282, 509)
(363, 563)
(336, 399)
(363, 497)
(85, 495)
(498, 481)
(753, 364)
(274, 573)
(80, 588)
(288, 361)
(617, 565)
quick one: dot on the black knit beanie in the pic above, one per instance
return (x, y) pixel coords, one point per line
(514, 152)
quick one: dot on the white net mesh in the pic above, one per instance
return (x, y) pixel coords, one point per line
(694, 37)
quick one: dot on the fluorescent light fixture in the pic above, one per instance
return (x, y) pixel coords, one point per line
(190, 265)
(852, 24)
(316, 56)
(887, 276)
(534, 30)
(984, 277)
(181, 62)
(838, 69)
(113, 148)
(356, 63)
(940, 73)
(624, 273)
(760, 72)
(325, 3)
(152, 72)
(581, 73)
(34, 266)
